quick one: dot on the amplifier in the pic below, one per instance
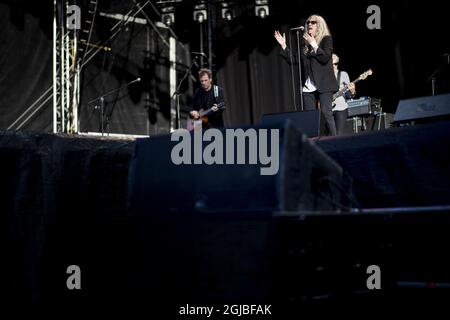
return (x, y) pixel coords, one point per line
(363, 106)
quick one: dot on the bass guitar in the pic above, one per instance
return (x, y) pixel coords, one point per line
(362, 76)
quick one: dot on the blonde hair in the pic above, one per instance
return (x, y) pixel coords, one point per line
(335, 58)
(322, 27)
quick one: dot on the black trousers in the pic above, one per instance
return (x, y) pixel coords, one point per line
(340, 117)
(310, 100)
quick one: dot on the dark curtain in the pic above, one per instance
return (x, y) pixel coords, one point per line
(25, 65)
(257, 85)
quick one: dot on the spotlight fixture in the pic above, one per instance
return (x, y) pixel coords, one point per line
(200, 12)
(168, 15)
(261, 8)
(227, 11)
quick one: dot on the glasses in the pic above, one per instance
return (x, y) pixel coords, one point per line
(311, 21)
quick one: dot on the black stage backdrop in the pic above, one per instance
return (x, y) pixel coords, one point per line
(25, 64)
(403, 54)
(138, 51)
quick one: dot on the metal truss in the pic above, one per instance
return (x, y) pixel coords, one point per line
(69, 46)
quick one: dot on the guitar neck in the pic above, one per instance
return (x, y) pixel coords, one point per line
(340, 92)
(343, 90)
(204, 113)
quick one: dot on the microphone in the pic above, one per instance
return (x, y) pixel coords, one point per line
(200, 54)
(135, 80)
(298, 28)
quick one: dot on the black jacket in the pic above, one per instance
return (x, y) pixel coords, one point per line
(205, 100)
(318, 66)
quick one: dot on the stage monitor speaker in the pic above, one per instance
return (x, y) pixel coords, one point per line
(399, 167)
(423, 109)
(308, 122)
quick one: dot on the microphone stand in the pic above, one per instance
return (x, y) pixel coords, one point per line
(300, 70)
(177, 92)
(432, 78)
(294, 91)
(102, 102)
(299, 67)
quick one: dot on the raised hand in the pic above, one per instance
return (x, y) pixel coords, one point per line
(310, 39)
(281, 39)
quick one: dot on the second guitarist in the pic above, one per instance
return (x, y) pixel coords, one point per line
(340, 106)
(208, 96)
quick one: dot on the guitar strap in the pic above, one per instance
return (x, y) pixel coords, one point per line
(339, 79)
(216, 92)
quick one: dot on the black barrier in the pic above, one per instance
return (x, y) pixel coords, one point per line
(66, 206)
(301, 176)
